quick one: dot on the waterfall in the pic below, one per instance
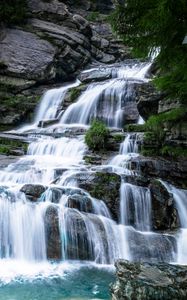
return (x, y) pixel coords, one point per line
(22, 230)
(51, 101)
(128, 149)
(135, 206)
(180, 197)
(129, 145)
(65, 222)
(106, 100)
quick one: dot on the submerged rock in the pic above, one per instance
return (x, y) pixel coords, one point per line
(151, 247)
(149, 281)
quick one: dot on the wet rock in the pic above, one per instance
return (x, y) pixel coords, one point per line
(53, 239)
(95, 75)
(172, 171)
(93, 159)
(7, 160)
(80, 244)
(45, 123)
(164, 213)
(83, 25)
(149, 281)
(137, 180)
(104, 186)
(73, 94)
(147, 98)
(80, 202)
(33, 191)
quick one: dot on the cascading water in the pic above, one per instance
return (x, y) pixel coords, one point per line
(135, 206)
(180, 197)
(51, 101)
(64, 222)
(106, 101)
(128, 149)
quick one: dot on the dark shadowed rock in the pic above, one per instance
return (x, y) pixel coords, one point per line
(33, 191)
(53, 239)
(149, 281)
(164, 214)
(147, 98)
(80, 202)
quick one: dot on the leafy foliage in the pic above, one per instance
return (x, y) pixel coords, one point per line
(155, 135)
(97, 136)
(13, 11)
(149, 24)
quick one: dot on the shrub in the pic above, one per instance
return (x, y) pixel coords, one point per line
(97, 136)
(13, 12)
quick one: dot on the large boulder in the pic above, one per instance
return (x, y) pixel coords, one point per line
(149, 281)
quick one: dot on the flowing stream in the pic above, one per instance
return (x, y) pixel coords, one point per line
(55, 237)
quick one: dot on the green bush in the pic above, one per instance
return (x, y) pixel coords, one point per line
(97, 136)
(13, 11)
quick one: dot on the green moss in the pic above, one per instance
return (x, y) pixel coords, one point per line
(135, 128)
(6, 145)
(174, 152)
(97, 136)
(4, 149)
(118, 138)
(74, 94)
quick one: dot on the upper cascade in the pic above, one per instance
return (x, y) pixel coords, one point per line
(109, 100)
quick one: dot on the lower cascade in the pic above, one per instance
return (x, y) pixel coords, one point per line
(51, 222)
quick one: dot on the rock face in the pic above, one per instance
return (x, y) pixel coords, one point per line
(31, 58)
(172, 171)
(104, 186)
(149, 281)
